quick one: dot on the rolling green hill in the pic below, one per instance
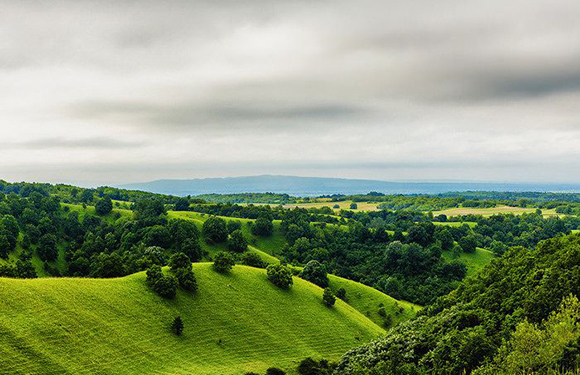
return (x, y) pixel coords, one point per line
(234, 323)
(474, 262)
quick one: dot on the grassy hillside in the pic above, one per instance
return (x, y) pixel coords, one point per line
(474, 262)
(234, 323)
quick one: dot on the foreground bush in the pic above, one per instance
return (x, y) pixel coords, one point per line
(223, 262)
(279, 275)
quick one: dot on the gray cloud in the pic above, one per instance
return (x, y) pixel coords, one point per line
(374, 89)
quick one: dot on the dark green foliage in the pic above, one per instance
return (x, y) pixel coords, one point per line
(166, 286)
(262, 226)
(108, 265)
(328, 297)
(148, 208)
(223, 262)
(275, 371)
(468, 244)
(182, 204)
(309, 366)
(177, 326)
(237, 242)
(214, 230)
(154, 273)
(462, 330)
(279, 275)
(179, 260)
(47, 250)
(192, 248)
(446, 239)
(104, 206)
(353, 206)
(233, 225)
(341, 293)
(186, 279)
(252, 260)
(315, 272)
(5, 246)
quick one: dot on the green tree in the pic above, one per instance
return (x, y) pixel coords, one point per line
(468, 243)
(328, 297)
(315, 272)
(186, 279)
(47, 250)
(166, 286)
(104, 206)
(237, 242)
(214, 230)
(353, 206)
(182, 204)
(177, 326)
(279, 275)
(179, 260)
(262, 227)
(192, 248)
(223, 262)
(446, 239)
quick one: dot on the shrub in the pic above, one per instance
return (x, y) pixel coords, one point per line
(154, 273)
(341, 293)
(468, 244)
(186, 279)
(328, 297)
(262, 227)
(353, 206)
(166, 286)
(279, 275)
(275, 371)
(192, 248)
(104, 206)
(223, 262)
(233, 225)
(177, 326)
(47, 250)
(179, 260)
(237, 242)
(252, 260)
(315, 272)
(214, 230)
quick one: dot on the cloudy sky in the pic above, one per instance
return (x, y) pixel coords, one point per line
(117, 91)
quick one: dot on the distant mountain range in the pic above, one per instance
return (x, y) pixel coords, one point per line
(314, 186)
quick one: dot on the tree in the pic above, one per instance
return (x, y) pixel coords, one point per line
(252, 260)
(328, 297)
(233, 225)
(179, 260)
(315, 272)
(177, 326)
(468, 243)
(5, 246)
(186, 279)
(262, 227)
(446, 239)
(108, 265)
(341, 293)
(214, 230)
(166, 286)
(353, 206)
(47, 250)
(154, 273)
(279, 275)
(192, 248)
(223, 262)
(237, 242)
(148, 208)
(104, 206)
(182, 204)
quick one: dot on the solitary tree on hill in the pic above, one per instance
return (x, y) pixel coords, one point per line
(177, 326)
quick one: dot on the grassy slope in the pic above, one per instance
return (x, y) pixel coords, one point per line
(474, 262)
(234, 323)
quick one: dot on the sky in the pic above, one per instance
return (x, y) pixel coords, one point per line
(105, 92)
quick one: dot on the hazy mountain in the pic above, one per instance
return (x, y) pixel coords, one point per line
(308, 186)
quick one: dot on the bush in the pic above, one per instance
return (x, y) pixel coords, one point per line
(104, 206)
(237, 242)
(252, 260)
(166, 286)
(275, 371)
(315, 272)
(233, 225)
(186, 279)
(47, 250)
(154, 273)
(192, 248)
(214, 230)
(341, 293)
(223, 262)
(328, 297)
(179, 260)
(353, 206)
(279, 275)
(468, 244)
(177, 326)
(262, 227)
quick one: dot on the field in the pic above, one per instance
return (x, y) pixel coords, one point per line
(344, 205)
(462, 211)
(233, 324)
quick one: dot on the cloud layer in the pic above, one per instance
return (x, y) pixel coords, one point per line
(123, 91)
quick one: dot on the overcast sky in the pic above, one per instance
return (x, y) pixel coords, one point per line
(125, 91)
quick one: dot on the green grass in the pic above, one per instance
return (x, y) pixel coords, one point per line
(368, 301)
(486, 212)
(234, 323)
(474, 262)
